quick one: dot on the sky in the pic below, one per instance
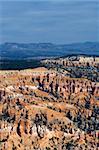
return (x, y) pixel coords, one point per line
(55, 21)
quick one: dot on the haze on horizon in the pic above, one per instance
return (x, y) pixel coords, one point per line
(57, 21)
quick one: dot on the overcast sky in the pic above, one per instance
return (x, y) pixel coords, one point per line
(57, 21)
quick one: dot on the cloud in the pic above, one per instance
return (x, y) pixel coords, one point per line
(49, 21)
(49, 0)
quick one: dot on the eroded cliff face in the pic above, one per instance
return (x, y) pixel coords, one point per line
(43, 109)
(76, 66)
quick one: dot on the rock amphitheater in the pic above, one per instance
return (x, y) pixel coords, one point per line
(48, 109)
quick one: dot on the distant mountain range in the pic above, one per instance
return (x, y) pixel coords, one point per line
(43, 50)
